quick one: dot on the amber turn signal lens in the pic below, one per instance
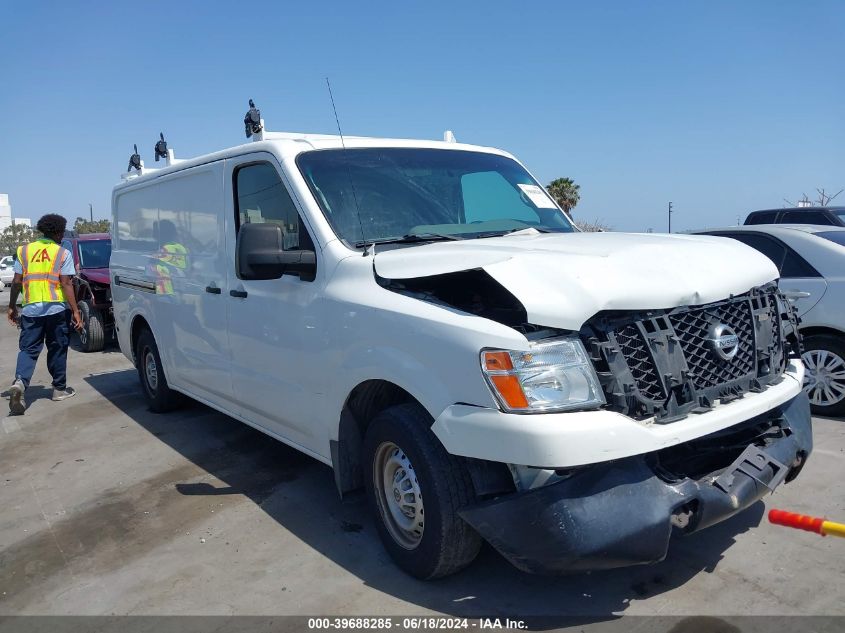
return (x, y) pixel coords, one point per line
(497, 361)
(510, 390)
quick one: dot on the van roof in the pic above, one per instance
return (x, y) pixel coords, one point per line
(290, 144)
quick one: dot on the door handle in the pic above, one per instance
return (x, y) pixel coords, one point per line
(241, 294)
(795, 294)
(214, 290)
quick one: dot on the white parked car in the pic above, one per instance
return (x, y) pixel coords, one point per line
(811, 261)
(7, 271)
(422, 317)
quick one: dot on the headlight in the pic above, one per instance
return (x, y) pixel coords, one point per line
(553, 376)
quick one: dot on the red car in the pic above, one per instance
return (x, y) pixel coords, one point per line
(91, 254)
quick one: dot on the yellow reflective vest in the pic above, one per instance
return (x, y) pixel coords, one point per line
(41, 262)
(171, 256)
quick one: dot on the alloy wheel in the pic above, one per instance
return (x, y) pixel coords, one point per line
(824, 378)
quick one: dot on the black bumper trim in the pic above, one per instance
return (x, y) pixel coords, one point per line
(619, 513)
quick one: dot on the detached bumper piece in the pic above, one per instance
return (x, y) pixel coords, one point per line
(622, 513)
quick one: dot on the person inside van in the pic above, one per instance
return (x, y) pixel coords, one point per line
(44, 270)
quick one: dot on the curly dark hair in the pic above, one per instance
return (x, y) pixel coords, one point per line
(52, 225)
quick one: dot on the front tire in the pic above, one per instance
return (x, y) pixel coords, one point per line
(160, 396)
(415, 489)
(92, 335)
(824, 378)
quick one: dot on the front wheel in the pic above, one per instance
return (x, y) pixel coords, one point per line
(415, 488)
(91, 336)
(824, 377)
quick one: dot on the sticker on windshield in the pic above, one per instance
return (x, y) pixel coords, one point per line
(538, 197)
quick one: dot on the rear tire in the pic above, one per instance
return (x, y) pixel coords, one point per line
(404, 464)
(824, 380)
(92, 336)
(160, 397)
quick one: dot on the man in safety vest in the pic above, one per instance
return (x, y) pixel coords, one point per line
(44, 270)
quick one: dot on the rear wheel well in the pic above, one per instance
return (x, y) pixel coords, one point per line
(139, 324)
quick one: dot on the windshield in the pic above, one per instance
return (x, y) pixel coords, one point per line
(94, 253)
(840, 215)
(381, 194)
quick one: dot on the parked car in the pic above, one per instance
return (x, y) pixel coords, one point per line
(811, 261)
(7, 271)
(425, 319)
(825, 216)
(91, 253)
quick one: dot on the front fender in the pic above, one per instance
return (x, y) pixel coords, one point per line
(395, 366)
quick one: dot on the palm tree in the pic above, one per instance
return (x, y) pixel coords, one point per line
(565, 192)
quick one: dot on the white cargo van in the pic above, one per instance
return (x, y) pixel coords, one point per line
(422, 317)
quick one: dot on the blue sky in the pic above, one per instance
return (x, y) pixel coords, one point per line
(720, 107)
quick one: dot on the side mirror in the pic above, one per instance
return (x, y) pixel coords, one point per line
(2, 266)
(260, 254)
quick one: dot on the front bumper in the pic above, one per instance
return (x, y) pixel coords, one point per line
(620, 513)
(577, 438)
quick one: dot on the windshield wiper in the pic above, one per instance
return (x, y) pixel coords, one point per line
(410, 238)
(539, 229)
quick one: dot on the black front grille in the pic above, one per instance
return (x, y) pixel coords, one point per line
(636, 353)
(661, 363)
(692, 328)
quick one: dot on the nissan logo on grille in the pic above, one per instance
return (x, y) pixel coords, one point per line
(723, 341)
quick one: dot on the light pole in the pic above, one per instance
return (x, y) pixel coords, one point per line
(91, 211)
(670, 217)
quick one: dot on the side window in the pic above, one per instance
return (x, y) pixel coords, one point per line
(796, 266)
(767, 217)
(261, 196)
(772, 249)
(806, 217)
(789, 263)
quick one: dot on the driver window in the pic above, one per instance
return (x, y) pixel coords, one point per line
(488, 196)
(261, 196)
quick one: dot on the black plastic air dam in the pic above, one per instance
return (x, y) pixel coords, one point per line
(619, 513)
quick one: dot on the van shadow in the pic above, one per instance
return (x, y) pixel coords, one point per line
(298, 492)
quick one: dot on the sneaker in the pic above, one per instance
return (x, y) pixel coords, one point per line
(17, 404)
(63, 394)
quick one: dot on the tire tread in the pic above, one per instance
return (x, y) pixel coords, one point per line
(459, 544)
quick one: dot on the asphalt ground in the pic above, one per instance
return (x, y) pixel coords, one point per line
(106, 508)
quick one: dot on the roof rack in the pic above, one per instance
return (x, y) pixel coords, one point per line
(254, 129)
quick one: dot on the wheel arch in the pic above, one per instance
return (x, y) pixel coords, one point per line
(366, 400)
(139, 323)
(816, 330)
(84, 292)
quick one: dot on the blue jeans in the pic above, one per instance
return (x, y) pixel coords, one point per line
(53, 328)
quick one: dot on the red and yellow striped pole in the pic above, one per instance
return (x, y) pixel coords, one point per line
(808, 523)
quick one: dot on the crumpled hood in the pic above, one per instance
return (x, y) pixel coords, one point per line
(97, 275)
(564, 279)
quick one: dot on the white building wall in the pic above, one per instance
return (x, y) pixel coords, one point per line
(6, 213)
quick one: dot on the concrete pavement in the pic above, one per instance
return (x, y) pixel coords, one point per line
(110, 509)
